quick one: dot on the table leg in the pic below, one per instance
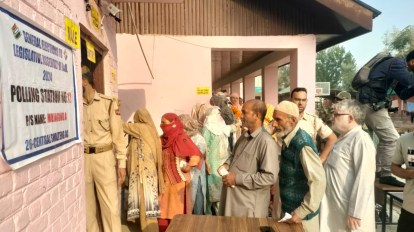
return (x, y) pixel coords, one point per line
(384, 211)
(391, 203)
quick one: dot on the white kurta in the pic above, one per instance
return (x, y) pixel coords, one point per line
(350, 176)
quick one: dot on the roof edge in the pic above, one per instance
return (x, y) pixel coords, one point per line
(363, 4)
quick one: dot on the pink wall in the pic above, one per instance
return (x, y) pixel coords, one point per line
(48, 195)
(181, 63)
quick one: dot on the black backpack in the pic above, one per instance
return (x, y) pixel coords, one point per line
(361, 77)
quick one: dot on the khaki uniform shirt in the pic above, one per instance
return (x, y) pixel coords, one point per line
(103, 127)
(314, 126)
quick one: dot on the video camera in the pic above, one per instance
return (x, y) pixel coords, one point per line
(393, 109)
(382, 104)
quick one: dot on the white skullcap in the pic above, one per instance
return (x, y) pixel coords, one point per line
(288, 107)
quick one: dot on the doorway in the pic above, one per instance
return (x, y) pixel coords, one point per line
(96, 66)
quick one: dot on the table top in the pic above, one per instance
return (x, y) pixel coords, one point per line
(389, 188)
(204, 223)
(397, 195)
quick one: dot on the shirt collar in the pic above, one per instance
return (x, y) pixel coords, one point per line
(290, 136)
(254, 134)
(306, 116)
(96, 97)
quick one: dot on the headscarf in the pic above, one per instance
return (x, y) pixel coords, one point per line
(199, 112)
(191, 127)
(175, 138)
(144, 128)
(215, 123)
(237, 104)
(225, 111)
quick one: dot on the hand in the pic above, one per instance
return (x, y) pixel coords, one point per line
(226, 166)
(238, 124)
(295, 218)
(121, 176)
(186, 169)
(410, 173)
(272, 190)
(353, 223)
(229, 179)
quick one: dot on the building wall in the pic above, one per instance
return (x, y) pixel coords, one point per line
(48, 195)
(181, 63)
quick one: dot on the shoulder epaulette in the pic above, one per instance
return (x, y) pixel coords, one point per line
(312, 115)
(105, 97)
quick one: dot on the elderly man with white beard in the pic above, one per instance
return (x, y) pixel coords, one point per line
(301, 175)
(348, 204)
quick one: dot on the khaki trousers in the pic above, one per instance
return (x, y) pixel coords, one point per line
(381, 123)
(100, 175)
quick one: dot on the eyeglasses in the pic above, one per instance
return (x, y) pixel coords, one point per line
(337, 115)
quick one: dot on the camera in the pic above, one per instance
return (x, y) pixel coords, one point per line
(113, 11)
(393, 109)
(382, 104)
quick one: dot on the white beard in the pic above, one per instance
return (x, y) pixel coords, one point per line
(284, 133)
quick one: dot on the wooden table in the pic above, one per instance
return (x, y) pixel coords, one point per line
(201, 223)
(381, 192)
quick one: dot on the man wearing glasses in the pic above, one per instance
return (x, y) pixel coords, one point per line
(312, 124)
(349, 204)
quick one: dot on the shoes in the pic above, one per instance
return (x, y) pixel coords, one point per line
(390, 180)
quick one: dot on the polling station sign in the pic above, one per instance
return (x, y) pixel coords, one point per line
(39, 114)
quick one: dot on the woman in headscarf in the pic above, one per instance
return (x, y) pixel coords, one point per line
(235, 101)
(198, 174)
(179, 155)
(216, 134)
(226, 114)
(199, 112)
(144, 171)
(225, 110)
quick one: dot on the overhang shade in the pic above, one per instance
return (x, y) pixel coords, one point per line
(331, 21)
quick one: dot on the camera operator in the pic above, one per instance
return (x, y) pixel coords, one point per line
(391, 73)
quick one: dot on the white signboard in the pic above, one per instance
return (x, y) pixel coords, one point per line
(39, 114)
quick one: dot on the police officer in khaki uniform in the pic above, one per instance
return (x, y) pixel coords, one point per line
(312, 124)
(104, 171)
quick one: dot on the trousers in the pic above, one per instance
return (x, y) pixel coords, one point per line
(382, 125)
(101, 187)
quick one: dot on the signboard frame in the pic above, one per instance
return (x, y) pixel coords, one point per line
(44, 118)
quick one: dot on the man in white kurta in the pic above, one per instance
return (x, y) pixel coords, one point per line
(349, 203)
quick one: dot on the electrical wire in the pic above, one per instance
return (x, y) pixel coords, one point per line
(139, 42)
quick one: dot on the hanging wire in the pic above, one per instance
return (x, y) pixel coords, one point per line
(136, 33)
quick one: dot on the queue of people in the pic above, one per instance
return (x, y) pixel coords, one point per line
(224, 160)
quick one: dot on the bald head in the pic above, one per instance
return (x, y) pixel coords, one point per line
(258, 107)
